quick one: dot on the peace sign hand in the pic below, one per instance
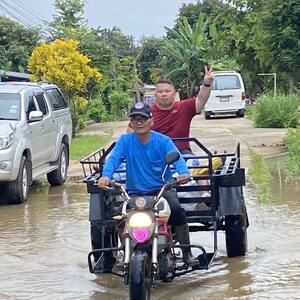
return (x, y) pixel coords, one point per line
(208, 76)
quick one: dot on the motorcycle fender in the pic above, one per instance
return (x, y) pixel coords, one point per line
(97, 211)
(231, 201)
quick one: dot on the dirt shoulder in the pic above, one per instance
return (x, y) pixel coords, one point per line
(216, 134)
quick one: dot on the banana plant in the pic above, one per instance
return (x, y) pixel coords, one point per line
(186, 52)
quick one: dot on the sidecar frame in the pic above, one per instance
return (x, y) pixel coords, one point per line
(225, 203)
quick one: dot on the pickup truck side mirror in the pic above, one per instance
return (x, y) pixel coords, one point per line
(35, 116)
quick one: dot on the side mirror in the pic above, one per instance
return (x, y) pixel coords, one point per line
(172, 157)
(35, 116)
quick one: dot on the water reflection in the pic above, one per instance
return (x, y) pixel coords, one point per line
(44, 246)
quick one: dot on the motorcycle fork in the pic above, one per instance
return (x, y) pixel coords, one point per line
(154, 254)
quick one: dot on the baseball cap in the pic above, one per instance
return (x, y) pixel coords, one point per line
(140, 108)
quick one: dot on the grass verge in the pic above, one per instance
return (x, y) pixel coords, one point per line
(83, 145)
(292, 161)
(260, 175)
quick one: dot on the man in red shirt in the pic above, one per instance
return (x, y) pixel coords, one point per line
(173, 118)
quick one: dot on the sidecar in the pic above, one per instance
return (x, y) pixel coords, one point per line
(214, 202)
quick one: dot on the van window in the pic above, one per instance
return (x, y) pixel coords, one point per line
(226, 82)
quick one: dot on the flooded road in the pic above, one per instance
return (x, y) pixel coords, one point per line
(44, 245)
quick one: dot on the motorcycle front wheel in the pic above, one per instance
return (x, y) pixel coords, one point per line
(139, 276)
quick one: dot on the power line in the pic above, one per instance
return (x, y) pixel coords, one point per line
(30, 12)
(15, 15)
(23, 16)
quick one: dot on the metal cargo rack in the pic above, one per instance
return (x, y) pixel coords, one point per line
(92, 164)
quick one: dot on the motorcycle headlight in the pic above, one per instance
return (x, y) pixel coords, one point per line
(5, 141)
(140, 219)
(140, 226)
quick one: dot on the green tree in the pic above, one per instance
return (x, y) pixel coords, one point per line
(69, 21)
(119, 103)
(119, 71)
(16, 45)
(104, 58)
(109, 50)
(230, 48)
(148, 58)
(276, 39)
(121, 43)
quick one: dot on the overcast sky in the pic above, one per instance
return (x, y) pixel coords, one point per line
(133, 17)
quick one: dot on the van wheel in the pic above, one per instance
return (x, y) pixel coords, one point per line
(241, 113)
(207, 115)
(59, 176)
(17, 190)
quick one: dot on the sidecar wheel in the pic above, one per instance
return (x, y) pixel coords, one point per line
(98, 242)
(236, 234)
(139, 276)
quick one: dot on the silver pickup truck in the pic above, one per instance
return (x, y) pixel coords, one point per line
(35, 136)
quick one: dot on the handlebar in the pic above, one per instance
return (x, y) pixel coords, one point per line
(111, 185)
(114, 186)
(174, 182)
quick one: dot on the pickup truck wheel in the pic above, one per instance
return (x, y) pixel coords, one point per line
(58, 176)
(17, 190)
(236, 234)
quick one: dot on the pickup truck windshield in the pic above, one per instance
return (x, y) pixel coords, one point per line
(9, 107)
(226, 82)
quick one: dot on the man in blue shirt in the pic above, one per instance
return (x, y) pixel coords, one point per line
(144, 151)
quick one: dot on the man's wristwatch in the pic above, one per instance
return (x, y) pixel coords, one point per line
(207, 84)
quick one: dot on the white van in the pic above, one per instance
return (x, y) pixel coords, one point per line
(227, 95)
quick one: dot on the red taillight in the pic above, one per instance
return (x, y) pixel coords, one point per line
(243, 96)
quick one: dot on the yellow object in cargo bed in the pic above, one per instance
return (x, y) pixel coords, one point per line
(216, 164)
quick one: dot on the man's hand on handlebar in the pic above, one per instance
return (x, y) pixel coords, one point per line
(104, 182)
(182, 179)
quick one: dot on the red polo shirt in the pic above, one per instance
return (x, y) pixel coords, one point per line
(176, 121)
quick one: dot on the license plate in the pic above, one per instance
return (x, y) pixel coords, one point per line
(224, 99)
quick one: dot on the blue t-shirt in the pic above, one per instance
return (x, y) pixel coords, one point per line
(145, 163)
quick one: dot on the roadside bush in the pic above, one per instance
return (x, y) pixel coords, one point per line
(279, 112)
(97, 111)
(119, 103)
(292, 141)
(250, 111)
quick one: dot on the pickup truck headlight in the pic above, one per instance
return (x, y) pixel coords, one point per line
(5, 141)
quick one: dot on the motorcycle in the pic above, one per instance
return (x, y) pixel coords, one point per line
(147, 240)
(137, 226)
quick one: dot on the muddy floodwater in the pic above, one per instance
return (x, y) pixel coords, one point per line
(44, 245)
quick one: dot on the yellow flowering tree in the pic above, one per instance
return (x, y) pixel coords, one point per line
(61, 63)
